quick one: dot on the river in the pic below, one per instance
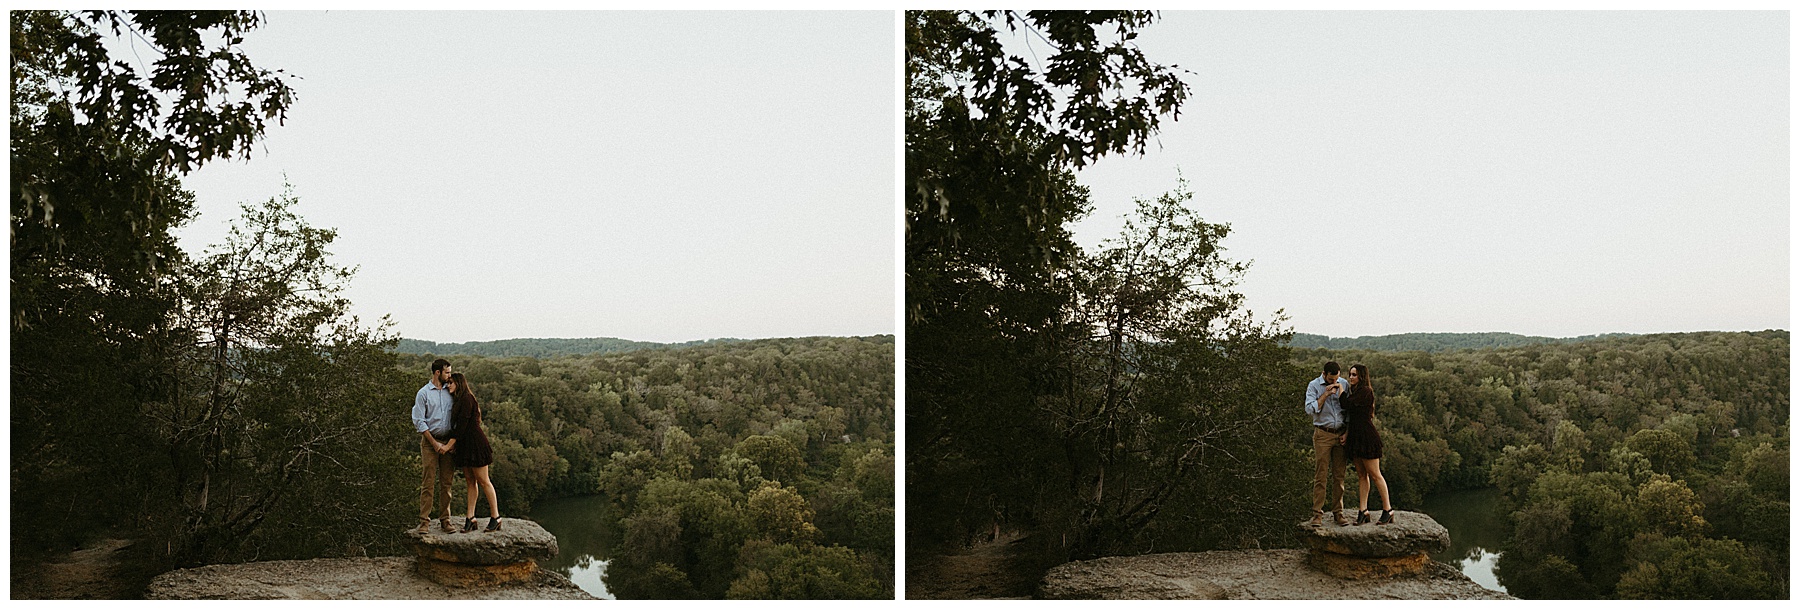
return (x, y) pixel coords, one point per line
(584, 537)
(1477, 530)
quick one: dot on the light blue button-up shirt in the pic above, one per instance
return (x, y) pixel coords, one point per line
(1332, 415)
(431, 410)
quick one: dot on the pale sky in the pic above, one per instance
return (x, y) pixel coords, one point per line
(651, 176)
(1542, 173)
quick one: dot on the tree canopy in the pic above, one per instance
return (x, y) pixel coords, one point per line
(744, 469)
(1645, 466)
(109, 109)
(1093, 397)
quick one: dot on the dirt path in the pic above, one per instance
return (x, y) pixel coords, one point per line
(86, 573)
(988, 570)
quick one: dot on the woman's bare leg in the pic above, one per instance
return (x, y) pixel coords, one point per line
(1362, 485)
(487, 487)
(469, 477)
(1380, 483)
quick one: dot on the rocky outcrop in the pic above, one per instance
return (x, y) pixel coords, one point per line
(1390, 561)
(476, 565)
(482, 558)
(1252, 574)
(1375, 551)
(352, 578)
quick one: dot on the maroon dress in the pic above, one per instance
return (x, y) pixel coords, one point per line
(1362, 441)
(472, 448)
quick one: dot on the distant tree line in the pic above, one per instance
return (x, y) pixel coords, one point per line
(540, 348)
(753, 469)
(1433, 342)
(1649, 466)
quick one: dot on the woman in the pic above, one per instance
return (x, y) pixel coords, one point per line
(1363, 444)
(470, 448)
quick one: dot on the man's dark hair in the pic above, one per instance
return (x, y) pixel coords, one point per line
(1330, 367)
(441, 364)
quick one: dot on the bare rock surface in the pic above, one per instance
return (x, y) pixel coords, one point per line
(1411, 533)
(1251, 574)
(518, 540)
(352, 578)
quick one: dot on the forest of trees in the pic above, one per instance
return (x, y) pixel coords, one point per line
(753, 469)
(1112, 401)
(1649, 466)
(540, 348)
(208, 405)
(1432, 342)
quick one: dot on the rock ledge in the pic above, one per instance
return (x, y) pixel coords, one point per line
(1252, 574)
(1375, 551)
(351, 578)
(476, 565)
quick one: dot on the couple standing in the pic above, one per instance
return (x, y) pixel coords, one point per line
(448, 420)
(1343, 417)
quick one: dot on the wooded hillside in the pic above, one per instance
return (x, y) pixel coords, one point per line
(1631, 462)
(539, 348)
(756, 469)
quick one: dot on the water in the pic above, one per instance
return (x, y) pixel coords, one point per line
(584, 536)
(1477, 530)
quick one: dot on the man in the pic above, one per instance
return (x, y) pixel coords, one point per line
(431, 419)
(1328, 445)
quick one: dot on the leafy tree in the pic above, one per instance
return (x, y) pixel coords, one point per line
(790, 571)
(659, 581)
(976, 112)
(97, 140)
(678, 451)
(1517, 469)
(1684, 568)
(1167, 378)
(1667, 451)
(1669, 508)
(991, 145)
(780, 514)
(776, 457)
(1569, 446)
(98, 145)
(278, 389)
(1548, 577)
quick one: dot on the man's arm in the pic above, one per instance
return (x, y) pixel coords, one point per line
(1314, 400)
(418, 412)
(418, 417)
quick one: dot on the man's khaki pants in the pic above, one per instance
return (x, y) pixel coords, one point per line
(439, 467)
(1328, 459)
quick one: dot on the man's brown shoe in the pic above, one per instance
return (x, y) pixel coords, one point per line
(1318, 519)
(425, 526)
(1337, 516)
(449, 529)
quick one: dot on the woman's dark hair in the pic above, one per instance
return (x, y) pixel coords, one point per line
(462, 387)
(1362, 379)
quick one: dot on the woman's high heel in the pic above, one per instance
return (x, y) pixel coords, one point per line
(468, 525)
(1362, 516)
(1387, 516)
(493, 524)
